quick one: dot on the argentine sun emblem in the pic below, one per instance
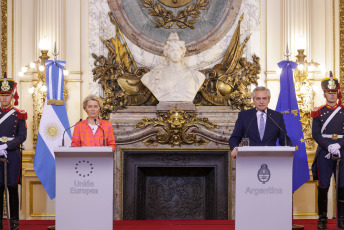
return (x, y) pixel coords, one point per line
(52, 131)
(264, 174)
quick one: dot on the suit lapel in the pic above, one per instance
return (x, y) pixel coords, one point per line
(268, 125)
(255, 124)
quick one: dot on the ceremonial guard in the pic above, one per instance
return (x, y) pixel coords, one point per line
(327, 131)
(13, 132)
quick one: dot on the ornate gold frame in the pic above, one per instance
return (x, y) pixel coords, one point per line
(3, 36)
(341, 42)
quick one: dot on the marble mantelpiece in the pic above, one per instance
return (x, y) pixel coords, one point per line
(129, 138)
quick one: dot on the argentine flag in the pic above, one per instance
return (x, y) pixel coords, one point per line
(53, 122)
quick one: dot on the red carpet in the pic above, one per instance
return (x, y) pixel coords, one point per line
(167, 224)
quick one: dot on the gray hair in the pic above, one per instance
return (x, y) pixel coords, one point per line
(92, 97)
(261, 88)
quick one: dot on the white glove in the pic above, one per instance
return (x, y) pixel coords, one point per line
(333, 147)
(335, 153)
(3, 147)
(3, 153)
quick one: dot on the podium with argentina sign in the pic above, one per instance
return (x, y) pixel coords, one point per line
(264, 188)
(84, 188)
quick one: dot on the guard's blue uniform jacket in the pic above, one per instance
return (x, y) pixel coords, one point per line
(14, 127)
(323, 168)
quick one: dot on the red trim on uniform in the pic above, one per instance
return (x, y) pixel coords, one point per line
(316, 111)
(7, 109)
(22, 114)
(332, 107)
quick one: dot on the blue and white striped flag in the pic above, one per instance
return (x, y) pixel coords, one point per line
(53, 122)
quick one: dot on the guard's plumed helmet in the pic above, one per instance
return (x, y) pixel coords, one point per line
(8, 87)
(331, 84)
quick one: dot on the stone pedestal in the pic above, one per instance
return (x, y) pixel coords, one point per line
(145, 129)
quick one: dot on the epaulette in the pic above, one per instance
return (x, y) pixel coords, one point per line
(316, 111)
(22, 114)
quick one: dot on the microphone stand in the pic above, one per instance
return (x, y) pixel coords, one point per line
(68, 129)
(285, 134)
(95, 122)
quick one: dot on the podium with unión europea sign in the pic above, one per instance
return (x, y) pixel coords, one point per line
(264, 188)
(84, 188)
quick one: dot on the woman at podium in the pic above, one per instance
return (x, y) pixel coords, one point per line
(93, 131)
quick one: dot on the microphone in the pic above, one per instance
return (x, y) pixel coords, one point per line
(285, 133)
(245, 140)
(95, 122)
(68, 129)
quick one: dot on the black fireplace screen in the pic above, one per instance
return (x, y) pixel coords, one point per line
(175, 185)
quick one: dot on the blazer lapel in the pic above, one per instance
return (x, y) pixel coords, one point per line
(255, 125)
(268, 125)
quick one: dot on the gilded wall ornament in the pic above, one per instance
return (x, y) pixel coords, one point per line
(212, 25)
(305, 98)
(176, 124)
(4, 36)
(226, 84)
(341, 44)
(165, 18)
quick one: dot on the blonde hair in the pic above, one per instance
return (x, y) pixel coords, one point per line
(92, 97)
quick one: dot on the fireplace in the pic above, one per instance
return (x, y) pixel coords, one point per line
(172, 184)
(187, 178)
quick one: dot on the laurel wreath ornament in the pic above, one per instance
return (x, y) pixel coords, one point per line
(182, 18)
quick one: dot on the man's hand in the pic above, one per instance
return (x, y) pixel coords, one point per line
(3, 153)
(3, 147)
(234, 152)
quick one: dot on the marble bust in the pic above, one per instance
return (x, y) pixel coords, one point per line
(172, 81)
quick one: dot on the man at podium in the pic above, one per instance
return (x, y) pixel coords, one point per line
(93, 131)
(327, 131)
(261, 125)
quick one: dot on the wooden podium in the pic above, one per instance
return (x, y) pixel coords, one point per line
(264, 188)
(84, 188)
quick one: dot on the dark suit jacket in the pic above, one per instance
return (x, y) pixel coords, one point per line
(271, 133)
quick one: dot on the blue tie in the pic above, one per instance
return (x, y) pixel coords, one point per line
(261, 126)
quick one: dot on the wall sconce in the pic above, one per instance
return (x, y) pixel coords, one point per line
(305, 94)
(39, 88)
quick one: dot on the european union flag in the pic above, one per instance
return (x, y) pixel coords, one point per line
(287, 105)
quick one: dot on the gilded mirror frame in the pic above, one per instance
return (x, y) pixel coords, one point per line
(341, 43)
(3, 44)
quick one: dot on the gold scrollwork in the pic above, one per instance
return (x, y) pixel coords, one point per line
(168, 18)
(226, 84)
(305, 98)
(119, 76)
(176, 124)
(4, 36)
(341, 43)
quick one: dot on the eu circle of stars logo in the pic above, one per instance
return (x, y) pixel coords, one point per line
(83, 168)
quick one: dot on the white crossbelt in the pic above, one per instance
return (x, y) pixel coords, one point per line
(7, 115)
(333, 136)
(330, 118)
